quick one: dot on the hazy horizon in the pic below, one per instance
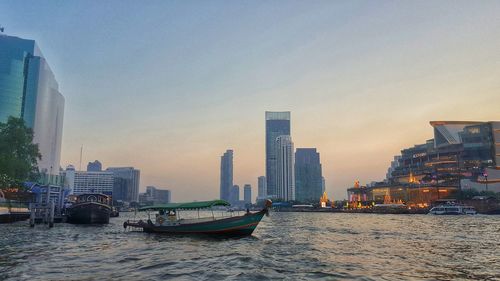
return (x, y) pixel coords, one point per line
(168, 86)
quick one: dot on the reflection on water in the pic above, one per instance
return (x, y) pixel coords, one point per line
(284, 246)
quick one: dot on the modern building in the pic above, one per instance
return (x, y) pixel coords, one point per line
(392, 167)
(29, 90)
(234, 196)
(82, 182)
(226, 175)
(262, 186)
(247, 194)
(277, 124)
(95, 166)
(127, 181)
(459, 149)
(462, 155)
(308, 175)
(154, 195)
(285, 172)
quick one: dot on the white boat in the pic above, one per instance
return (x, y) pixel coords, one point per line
(452, 210)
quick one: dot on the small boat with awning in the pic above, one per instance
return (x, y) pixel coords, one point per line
(168, 220)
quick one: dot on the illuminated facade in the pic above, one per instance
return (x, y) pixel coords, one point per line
(459, 150)
(29, 90)
(411, 195)
(458, 157)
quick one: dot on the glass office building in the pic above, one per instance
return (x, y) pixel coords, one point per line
(277, 124)
(226, 175)
(28, 90)
(308, 176)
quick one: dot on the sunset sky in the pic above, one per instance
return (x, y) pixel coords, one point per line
(168, 86)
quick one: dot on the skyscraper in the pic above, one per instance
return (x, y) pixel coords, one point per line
(247, 194)
(308, 175)
(234, 196)
(95, 166)
(277, 124)
(126, 184)
(285, 179)
(262, 186)
(29, 90)
(226, 175)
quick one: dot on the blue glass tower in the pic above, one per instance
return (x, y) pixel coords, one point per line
(308, 175)
(28, 90)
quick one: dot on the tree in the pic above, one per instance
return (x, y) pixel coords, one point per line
(18, 154)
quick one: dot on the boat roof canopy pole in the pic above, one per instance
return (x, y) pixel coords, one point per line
(186, 206)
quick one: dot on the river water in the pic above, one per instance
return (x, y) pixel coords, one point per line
(293, 246)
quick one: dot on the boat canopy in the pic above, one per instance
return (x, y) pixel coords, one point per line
(186, 206)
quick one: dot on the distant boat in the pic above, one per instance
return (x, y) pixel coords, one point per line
(451, 209)
(92, 208)
(167, 221)
(114, 212)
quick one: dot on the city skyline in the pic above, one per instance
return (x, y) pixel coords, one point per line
(360, 87)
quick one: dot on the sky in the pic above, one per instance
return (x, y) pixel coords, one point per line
(168, 86)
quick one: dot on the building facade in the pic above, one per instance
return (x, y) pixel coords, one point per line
(226, 175)
(262, 188)
(277, 124)
(154, 195)
(459, 150)
(462, 155)
(29, 90)
(127, 181)
(285, 172)
(91, 182)
(234, 196)
(95, 166)
(247, 194)
(308, 175)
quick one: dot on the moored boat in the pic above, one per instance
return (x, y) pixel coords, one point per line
(451, 209)
(92, 208)
(12, 211)
(168, 220)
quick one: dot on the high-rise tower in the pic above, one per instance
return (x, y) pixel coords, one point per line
(226, 175)
(29, 90)
(308, 175)
(285, 179)
(277, 124)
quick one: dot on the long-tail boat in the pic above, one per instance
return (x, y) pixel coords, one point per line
(169, 221)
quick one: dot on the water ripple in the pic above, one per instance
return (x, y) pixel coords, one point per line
(285, 246)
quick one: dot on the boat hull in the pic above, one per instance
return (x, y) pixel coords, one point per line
(234, 226)
(89, 213)
(13, 217)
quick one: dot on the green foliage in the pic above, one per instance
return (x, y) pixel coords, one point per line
(18, 154)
